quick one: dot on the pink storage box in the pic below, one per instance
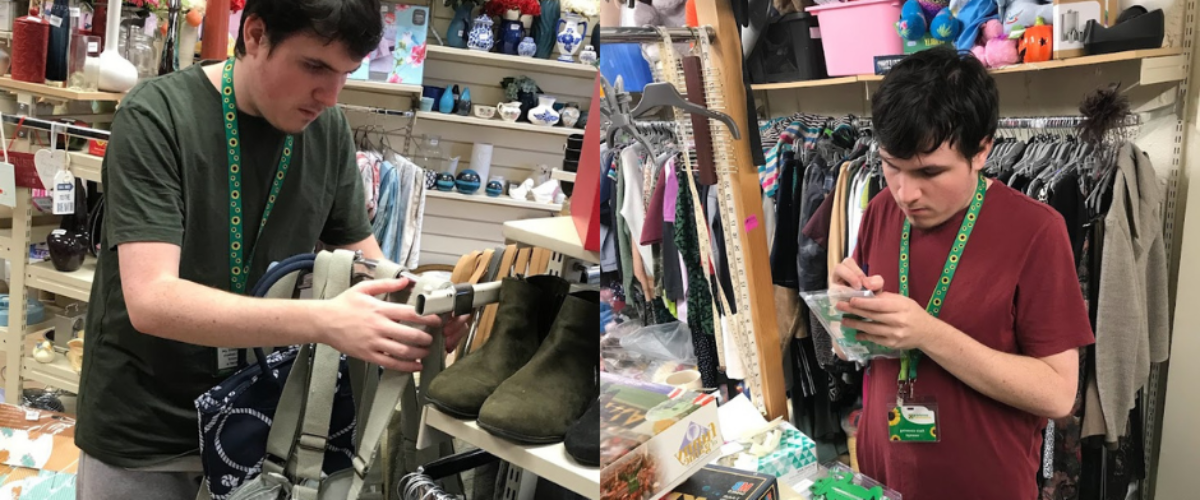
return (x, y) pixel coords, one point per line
(853, 33)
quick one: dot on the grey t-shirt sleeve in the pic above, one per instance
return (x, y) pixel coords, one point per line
(142, 181)
(347, 222)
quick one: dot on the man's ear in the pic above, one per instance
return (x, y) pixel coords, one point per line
(254, 33)
(980, 159)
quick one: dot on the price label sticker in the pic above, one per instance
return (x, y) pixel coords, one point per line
(64, 193)
(55, 21)
(93, 47)
(8, 185)
(32, 415)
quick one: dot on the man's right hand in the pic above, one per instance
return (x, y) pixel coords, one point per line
(848, 274)
(360, 325)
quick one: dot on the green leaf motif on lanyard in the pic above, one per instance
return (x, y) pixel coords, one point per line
(239, 264)
(908, 364)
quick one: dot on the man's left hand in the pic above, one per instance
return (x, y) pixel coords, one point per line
(896, 321)
(454, 330)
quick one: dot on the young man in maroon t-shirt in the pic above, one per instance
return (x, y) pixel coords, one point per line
(974, 281)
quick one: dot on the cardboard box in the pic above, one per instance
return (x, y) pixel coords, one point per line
(652, 437)
(38, 457)
(714, 482)
(1071, 18)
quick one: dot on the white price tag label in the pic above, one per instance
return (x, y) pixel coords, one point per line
(55, 21)
(32, 415)
(8, 185)
(64, 193)
(93, 47)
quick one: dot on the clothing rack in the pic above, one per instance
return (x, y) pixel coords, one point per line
(408, 129)
(651, 35)
(1039, 122)
(64, 128)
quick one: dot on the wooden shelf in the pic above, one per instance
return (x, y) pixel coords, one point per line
(57, 373)
(523, 64)
(562, 175)
(85, 166)
(555, 233)
(383, 87)
(496, 123)
(549, 462)
(42, 90)
(502, 200)
(76, 285)
(37, 234)
(1150, 59)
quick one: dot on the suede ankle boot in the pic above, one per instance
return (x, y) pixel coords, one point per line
(538, 403)
(583, 438)
(527, 310)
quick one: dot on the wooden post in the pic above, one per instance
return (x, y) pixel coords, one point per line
(216, 31)
(727, 55)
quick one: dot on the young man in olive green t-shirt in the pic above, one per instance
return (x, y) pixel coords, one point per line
(166, 291)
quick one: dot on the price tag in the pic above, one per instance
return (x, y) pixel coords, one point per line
(227, 359)
(55, 21)
(8, 185)
(93, 47)
(32, 415)
(64, 193)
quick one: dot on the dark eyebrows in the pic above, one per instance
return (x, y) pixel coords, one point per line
(320, 64)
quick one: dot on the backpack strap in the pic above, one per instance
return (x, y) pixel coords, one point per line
(391, 388)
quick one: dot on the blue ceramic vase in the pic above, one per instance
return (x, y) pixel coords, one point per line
(460, 26)
(527, 48)
(546, 29)
(445, 181)
(481, 37)
(511, 34)
(449, 98)
(495, 189)
(467, 182)
(464, 103)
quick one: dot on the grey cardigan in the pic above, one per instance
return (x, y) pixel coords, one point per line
(1132, 318)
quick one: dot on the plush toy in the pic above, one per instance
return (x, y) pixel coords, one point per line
(919, 18)
(1020, 14)
(997, 49)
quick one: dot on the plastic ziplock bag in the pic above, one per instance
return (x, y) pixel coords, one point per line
(666, 342)
(824, 306)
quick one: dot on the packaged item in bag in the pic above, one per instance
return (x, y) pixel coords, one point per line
(824, 306)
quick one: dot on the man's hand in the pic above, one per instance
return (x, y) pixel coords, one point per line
(896, 321)
(454, 331)
(360, 325)
(848, 274)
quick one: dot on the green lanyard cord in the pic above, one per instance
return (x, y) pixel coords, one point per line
(908, 363)
(239, 265)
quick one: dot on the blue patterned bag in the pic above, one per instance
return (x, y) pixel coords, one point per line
(235, 417)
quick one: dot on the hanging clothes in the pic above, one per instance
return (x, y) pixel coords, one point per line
(1132, 324)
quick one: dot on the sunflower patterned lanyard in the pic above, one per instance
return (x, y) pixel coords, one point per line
(239, 263)
(901, 426)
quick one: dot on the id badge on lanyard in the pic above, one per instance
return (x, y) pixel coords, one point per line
(915, 420)
(229, 360)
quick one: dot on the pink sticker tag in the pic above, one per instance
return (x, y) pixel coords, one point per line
(751, 223)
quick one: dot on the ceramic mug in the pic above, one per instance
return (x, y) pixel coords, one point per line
(426, 104)
(485, 112)
(688, 380)
(509, 111)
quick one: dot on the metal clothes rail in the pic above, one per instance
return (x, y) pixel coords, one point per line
(49, 125)
(650, 35)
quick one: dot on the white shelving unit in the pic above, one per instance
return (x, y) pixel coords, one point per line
(549, 462)
(555, 233)
(496, 123)
(27, 278)
(528, 64)
(503, 201)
